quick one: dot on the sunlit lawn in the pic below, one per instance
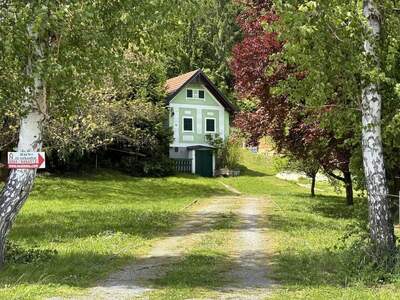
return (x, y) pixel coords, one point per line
(96, 224)
(305, 231)
(101, 222)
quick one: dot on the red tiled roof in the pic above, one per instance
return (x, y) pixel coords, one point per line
(176, 83)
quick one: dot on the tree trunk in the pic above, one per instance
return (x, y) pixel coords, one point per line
(349, 188)
(381, 226)
(313, 179)
(20, 181)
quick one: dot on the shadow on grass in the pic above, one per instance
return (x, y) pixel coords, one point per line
(293, 224)
(77, 269)
(204, 268)
(309, 268)
(335, 207)
(130, 192)
(74, 269)
(313, 265)
(197, 270)
(59, 226)
(63, 226)
(252, 173)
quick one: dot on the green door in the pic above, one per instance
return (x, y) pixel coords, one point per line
(204, 163)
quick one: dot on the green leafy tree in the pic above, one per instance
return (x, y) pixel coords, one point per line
(347, 52)
(50, 51)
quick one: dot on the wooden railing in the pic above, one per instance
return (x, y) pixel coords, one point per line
(183, 165)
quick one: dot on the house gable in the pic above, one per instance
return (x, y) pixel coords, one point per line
(209, 99)
(176, 89)
(196, 114)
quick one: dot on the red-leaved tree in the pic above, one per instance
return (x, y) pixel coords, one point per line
(295, 129)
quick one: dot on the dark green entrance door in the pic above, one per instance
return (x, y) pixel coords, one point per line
(204, 163)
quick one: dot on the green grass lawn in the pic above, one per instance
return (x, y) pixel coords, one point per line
(96, 224)
(101, 222)
(305, 262)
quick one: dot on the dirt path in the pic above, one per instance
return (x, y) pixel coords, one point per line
(250, 249)
(132, 281)
(248, 276)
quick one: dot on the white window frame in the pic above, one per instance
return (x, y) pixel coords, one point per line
(188, 98)
(195, 93)
(198, 90)
(183, 124)
(215, 125)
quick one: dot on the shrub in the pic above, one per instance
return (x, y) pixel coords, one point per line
(228, 153)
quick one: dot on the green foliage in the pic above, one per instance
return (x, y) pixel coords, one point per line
(157, 165)
(204, 39)
(129, 135)
(228, 152)
(324, 40)
(280, 163)
(121, 124)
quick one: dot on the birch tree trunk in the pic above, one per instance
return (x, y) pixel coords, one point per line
(381, 226)
(20, 181)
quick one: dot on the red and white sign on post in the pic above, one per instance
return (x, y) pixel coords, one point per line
(26, 160)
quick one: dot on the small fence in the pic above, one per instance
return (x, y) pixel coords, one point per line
(183, 165)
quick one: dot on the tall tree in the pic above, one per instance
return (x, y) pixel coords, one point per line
(349, 61)
(381, 226)
(296, 129)
(50, 51)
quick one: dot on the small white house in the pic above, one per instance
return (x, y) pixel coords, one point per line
(198, 110)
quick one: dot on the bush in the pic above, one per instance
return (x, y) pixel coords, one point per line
(120, 125)
(228, 153)
(127, 135)
(137, 166)
(280, 164)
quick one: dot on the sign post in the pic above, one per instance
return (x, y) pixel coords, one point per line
(26, 160)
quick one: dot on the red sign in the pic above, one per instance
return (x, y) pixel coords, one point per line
(26, 160)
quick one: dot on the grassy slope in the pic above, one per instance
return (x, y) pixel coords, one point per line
(96, 224)
(305, 230)
(102, 222)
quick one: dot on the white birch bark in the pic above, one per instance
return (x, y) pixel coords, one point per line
(381, 227)
(20, 182)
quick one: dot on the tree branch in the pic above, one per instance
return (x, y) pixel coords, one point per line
(335, 176)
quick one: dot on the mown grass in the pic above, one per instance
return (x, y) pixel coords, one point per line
(305, 260)
(101, 222)
(96, 223)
